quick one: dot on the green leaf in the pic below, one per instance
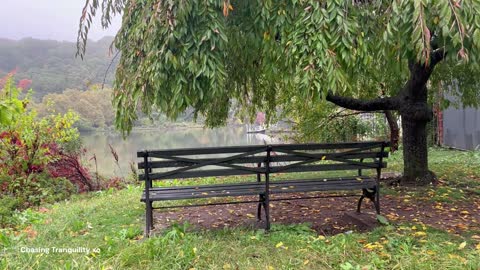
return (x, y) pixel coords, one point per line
(382, 220)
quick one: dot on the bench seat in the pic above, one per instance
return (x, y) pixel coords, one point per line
(258, 188)
(322, 184)
(205, 191)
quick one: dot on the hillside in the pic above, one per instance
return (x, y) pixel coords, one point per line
(52, 65)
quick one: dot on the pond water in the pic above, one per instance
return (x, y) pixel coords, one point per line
(98, 144)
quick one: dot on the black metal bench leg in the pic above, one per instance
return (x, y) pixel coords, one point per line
(261, 197)
(359, 205)
(148, 218)
(259, 207)
(266, 206)
(376, 201)
(151, 216)
(373, 196)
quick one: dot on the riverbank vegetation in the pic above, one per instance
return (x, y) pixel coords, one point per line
(95, 112)
(40, 156)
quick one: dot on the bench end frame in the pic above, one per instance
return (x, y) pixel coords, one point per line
(148, 202)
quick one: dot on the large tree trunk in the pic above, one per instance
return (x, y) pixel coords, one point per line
(416, 113)
(411, 103)
(415, 153)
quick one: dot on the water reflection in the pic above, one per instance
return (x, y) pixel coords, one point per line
(98, 144)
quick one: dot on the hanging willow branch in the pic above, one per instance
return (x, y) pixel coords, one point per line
(110, 8)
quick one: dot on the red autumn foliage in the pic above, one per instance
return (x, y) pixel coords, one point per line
(70, 166)
(4, 80)
(17, 153)
(24, 83)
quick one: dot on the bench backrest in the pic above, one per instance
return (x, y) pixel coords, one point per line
(261, 159)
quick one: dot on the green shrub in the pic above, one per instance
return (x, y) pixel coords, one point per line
(37, 188)
(54, 189)
(8, 204)
(28, 147)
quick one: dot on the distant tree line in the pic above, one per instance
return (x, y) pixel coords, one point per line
(93, 106)
(95, 111)
(51, 66)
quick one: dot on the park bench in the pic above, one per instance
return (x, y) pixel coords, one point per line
(263, 163)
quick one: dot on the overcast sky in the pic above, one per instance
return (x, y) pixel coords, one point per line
(47, 19)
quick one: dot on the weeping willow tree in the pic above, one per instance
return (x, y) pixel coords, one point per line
(276, 54)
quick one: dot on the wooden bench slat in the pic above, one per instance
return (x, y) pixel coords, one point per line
(327, 167)
(238, 190)
(212, 187)
(257, 159)
(202, 151)
(314, 180)
(274, 169)
(321, 185)
(239, 149)
(198, 173)
(255, 184)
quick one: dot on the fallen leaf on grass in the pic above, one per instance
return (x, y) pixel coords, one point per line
(455, 256)
(31, 233)
(462, 245)
(419, 234)
(461, 226)
(372, 246)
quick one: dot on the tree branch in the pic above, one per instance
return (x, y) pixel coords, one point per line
(377, 104)
(437, 56)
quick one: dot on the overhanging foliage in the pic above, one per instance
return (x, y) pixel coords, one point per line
(180, 54)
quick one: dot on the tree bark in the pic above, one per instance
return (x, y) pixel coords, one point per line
(394, 130)
(416, 113)
(415, 154)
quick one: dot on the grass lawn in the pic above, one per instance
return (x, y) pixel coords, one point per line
(104, 231)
